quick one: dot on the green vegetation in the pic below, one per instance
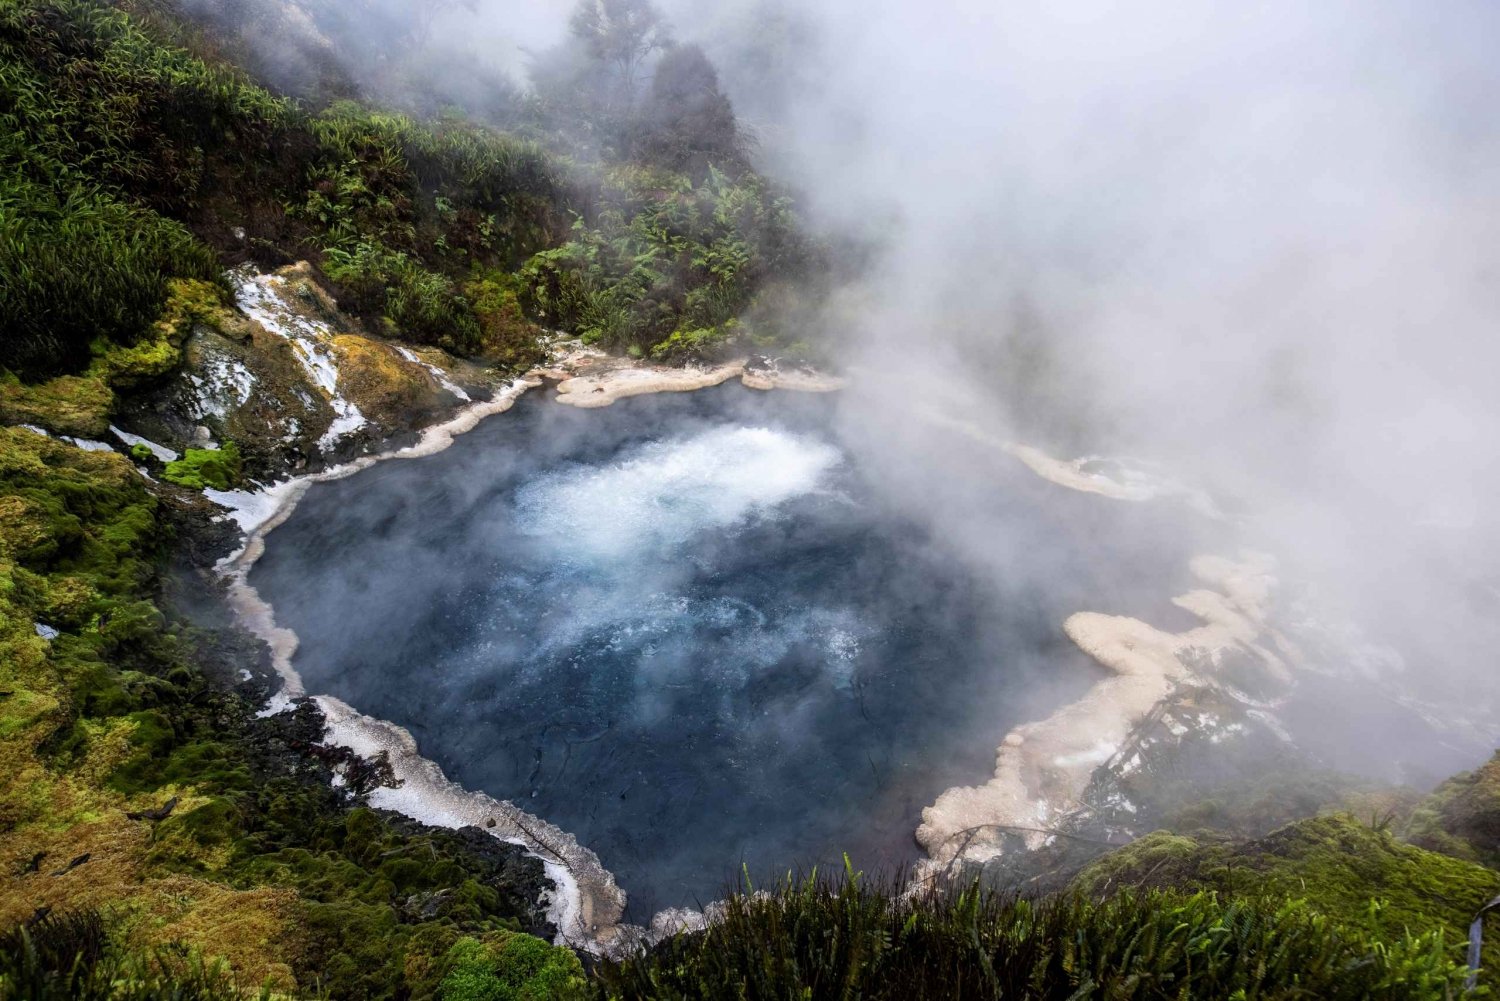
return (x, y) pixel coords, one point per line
(77, 265)
(671, 264)
(1359, 875)
(515, 968)
(162, 841)
(827, 938)
(218, 468)
(81, 404)
(198, 826)
(1462, 818)
(129, 160)
(70, 957)
(120, 147)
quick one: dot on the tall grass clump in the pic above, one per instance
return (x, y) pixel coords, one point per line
(77, 265)
(68, 957)
(849, 938)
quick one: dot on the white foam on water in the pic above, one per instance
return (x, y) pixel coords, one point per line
(251, 509)
(665, 493)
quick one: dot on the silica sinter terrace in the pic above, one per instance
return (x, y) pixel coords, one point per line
(689, 629)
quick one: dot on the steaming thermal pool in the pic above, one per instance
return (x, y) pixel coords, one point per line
(690, 630)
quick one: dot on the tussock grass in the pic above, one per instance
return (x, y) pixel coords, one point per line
(69, 956)
(849, 937)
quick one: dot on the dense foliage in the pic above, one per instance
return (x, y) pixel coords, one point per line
(119, 137)
(135, 785)
(844, 938)
(70, 956)
(77, 265)
(670, 265)
(130, 159)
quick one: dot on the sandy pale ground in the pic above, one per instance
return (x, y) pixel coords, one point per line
(1042, 768)
(591, 379)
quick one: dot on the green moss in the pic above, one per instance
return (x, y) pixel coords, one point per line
(80, 405)
(199, 840)
(1462, 817)
(70, 404)
(506, 335)
(702, 343)
(200, 468)
(516, 968)
(99, 520)
(22, 710)
(159, 353)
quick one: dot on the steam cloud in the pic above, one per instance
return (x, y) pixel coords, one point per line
(1254, 242)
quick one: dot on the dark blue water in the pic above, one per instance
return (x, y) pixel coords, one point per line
(688, 629)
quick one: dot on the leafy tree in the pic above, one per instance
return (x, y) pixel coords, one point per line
(621, 34)
(688, 121)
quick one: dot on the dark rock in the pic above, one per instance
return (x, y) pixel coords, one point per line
(427, 906)
(518, 876)
(80, 860)
(158, 813)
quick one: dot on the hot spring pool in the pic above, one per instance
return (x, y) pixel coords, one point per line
(691, 629)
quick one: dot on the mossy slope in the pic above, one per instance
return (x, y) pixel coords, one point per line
(1462, 817)
(130, 785)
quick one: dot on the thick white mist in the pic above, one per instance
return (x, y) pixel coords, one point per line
(1255, 242)
(663, 494)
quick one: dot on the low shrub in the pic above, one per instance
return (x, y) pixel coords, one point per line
(514, 968)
